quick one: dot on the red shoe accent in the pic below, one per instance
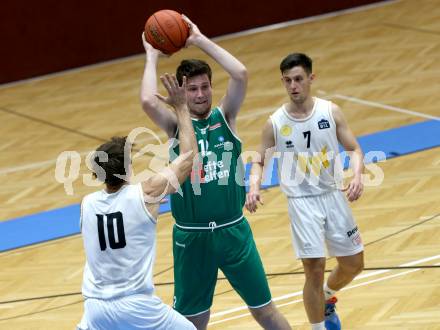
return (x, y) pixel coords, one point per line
(332, 300)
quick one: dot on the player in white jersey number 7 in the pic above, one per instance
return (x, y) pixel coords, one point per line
(306, 132)
(118, 226)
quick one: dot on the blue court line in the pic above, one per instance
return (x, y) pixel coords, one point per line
(62, 222)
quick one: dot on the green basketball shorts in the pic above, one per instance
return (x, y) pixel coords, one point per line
(199, 254)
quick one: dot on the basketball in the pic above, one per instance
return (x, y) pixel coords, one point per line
(166, 31)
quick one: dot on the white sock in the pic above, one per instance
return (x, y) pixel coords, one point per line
(328, 293)
(318, 326)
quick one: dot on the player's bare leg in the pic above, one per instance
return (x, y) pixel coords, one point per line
(270, 318)
(347, 269)
(200, 321)
(313, 293)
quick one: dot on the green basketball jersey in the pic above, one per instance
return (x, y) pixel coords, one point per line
(216, 193)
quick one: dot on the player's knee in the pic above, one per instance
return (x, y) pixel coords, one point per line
(200, 321)
(269, 317)
(359, 267)
(264, 314)
(354, 268)
(314, 270)
(316, 278)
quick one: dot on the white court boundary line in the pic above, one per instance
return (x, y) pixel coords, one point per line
(300, 300)
(219, 38)
(298, 293)
(379, 105)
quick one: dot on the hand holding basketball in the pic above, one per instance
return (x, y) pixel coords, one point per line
(166, 31)
(150, 49)
(194, 31)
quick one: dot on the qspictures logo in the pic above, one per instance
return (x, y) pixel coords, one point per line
(68, 165)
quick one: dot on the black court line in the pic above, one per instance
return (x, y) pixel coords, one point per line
(222, 279)
(79, 292)
(365, 269)
(41, 311)
(404, 229)
(164, 271)
(410, 28)
(41, 297)
(66, 129)
(296, 271)
(48, 123)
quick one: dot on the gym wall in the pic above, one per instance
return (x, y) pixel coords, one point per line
(45, 36)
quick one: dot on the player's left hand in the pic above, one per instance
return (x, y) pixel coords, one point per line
(252, 200)
(354, 189)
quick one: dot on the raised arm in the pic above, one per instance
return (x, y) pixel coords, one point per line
(349, 142)
(265, 152)
(169, 179)
(236, 90)
(159, 114)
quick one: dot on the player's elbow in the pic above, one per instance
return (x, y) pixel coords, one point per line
(257, 159)
(241, 74)
(358, 150)
(149, 102)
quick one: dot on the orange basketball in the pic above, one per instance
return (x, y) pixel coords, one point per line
(166, 30)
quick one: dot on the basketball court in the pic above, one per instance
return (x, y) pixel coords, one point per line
(380, 63)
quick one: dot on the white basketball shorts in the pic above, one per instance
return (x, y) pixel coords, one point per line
(323, 221)
(132, 312)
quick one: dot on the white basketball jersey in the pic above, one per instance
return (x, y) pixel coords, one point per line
(307, 149)
(119, 237)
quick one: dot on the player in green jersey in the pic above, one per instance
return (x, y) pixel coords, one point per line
(211, 232)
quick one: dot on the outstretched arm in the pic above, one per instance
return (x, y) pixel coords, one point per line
(236, 90)
(349, 142)
(158, 113)
(169, 179)
(253, 197)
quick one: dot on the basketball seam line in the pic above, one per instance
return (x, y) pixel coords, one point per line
(164, 31)
(178, 24)
(152, 40)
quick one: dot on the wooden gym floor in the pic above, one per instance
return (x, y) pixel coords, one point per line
(389, 55)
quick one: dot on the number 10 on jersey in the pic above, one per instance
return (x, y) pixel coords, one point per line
(204, 147)
(110, 219)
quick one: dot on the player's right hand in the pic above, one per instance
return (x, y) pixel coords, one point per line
(252, 200)
(149, 49)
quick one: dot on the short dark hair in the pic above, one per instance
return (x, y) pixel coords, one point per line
(115, 149)
(296, 59)
(191, 68)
